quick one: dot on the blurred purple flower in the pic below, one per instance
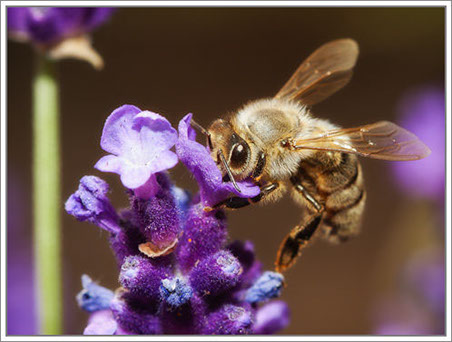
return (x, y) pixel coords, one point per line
(48, 25)
(422, 111)
(139, 143)
(59, 32)
(178, 275)
(20, 300)
(418, 306)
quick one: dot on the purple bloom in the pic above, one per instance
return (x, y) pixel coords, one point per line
(48, 25)
(178, 275)
(139, 143)
(60, 32)
(197, 159)
(422, 111)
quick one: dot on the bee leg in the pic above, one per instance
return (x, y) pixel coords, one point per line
(239, 202)
(300, 235)
(295, 241)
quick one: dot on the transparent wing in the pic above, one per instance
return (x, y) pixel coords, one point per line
(324, 72)
(380, 140)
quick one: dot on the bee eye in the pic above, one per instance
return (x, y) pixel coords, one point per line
(239, 155)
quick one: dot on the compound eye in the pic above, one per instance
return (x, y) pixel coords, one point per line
(239, 155)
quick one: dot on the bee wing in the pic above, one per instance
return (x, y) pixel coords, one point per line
(381, 140)
(324, 72)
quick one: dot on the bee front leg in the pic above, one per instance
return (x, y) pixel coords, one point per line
(239, 202)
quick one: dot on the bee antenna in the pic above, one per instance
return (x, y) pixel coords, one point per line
(203, 131)
(228, 170)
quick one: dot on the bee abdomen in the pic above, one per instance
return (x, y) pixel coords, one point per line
(344, 208)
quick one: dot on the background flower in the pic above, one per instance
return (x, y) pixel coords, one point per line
(59, 31)
(422, 112)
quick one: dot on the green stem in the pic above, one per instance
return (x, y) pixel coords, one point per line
(46, 197)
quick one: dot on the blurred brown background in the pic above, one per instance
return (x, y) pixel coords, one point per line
(210, 61)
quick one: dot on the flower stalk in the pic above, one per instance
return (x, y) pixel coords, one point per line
(46, 196)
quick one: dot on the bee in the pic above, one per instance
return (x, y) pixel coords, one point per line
(281, 146)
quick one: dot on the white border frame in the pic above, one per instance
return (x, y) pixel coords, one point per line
(3, 127)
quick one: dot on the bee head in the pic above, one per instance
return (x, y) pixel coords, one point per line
(235, 150)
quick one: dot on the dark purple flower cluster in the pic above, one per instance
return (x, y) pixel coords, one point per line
(178, 273)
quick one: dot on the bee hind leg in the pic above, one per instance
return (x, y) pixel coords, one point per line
(239, 202)
(301, 234)
(295, 241)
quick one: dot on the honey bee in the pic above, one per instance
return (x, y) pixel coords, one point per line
(279, 144)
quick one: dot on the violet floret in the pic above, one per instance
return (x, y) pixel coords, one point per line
(139, 143)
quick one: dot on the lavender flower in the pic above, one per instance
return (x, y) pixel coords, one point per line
(422, 111)
(139, 143)
(177, 273)
(59, 31)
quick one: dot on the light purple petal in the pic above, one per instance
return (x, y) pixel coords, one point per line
(166, 160)
(109, 163)
(134, 176)
(140, 143)
(197, 159)
(118, 134)
(156, 132)
(272, 317)
(101, 323)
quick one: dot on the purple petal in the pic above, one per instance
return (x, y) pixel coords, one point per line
(139, 142)
(48, 25)
(272, 317)
(94, 297)
(101, 323)
(134, 176)
(197, 159)
(16, 17)
(96, 16)
(118, 130)
(90, 203)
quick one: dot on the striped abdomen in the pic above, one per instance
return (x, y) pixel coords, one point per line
(336, 182)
